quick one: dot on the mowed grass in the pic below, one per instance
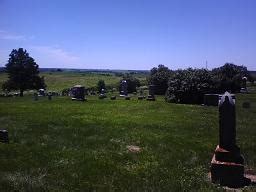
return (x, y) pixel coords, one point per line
(63, 145)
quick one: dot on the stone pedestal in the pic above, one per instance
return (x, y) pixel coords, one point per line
(151, 98)
(227, 169)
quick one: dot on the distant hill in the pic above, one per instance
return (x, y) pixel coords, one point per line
(92, 70)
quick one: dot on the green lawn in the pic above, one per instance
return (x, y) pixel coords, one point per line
(57, 81)
(64, 145)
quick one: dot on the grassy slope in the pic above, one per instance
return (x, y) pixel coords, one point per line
(61, 145)
(57, 81)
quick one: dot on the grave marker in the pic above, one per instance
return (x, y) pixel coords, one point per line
(227, 166)
(4, 136)
(78, 93)
(151, 93)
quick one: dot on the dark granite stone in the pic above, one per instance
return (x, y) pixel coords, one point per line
(227, 122)
(123, 91)
(4, 136)
(227, 166)
(211, 99)
(78, 93)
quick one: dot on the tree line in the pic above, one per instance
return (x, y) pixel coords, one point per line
(179, 86)
(190, 85)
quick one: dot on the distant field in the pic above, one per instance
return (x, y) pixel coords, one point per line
(57, 81)
(63, 145)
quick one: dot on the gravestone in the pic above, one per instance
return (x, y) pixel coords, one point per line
(123, 91)
(78, 93)
(127, 97)
(227, 166)
(35, 97)
(102, 94)
(49, 96)
(141, 94)
(113, 97)
(4, 136)
(243, 87)
(41, 92)
(151, 93)
(211, 99)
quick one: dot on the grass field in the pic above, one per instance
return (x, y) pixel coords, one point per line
(57, 81)
(62, 145)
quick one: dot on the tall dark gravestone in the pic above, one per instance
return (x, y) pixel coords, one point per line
(244, 87)
(4, 136)
(151, 93)
(123, 91)
(78, 93)
(227, 166)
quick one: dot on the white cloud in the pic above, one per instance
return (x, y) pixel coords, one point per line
(10, 36)
(55, 57)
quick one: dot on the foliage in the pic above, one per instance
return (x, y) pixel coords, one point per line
(23, 72)
(229, 77)
(132, 83)
(189, 86)
(65, 91)
(101, 85)
(159, 77)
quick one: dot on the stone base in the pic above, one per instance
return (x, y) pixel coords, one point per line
(140, 97)
(127, 98)
(113, 97)
(151, 98)
(78, 99)
(227, 173)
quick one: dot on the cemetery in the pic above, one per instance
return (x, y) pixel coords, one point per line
(50, 143)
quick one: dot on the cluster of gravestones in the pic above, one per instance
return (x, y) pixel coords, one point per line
(43, 93)
(78, 93)
(9, 94)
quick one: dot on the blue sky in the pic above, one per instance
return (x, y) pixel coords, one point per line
(130, 34)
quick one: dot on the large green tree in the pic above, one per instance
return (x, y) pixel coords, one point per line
(159, 77)
(23, 72)
(229, 77)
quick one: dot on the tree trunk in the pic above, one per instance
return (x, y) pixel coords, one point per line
(21, 93)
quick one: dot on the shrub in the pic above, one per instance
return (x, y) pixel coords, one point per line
(189, 86)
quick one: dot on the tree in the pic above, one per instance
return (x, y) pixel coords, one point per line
(101, 85)
(22, 72)
(229, 77)
(189, 86)
(132, 83)
(159, 77)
